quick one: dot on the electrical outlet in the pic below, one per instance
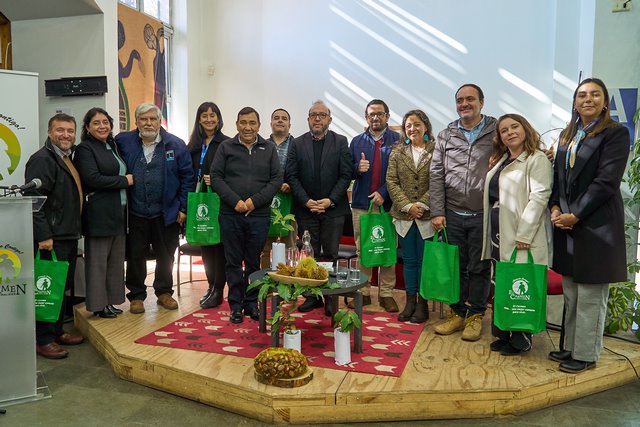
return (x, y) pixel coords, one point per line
(621, 6)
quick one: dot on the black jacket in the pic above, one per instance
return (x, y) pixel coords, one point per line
(238, 174)
(103, 214)
(594, 251)
(208, 158)
(59, 218)
(335, 178)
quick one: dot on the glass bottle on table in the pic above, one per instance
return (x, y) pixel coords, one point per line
(307, 249)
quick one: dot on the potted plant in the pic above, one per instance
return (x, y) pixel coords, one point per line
(278, 248)
(623, 306)
(283, 319)
(344, 322)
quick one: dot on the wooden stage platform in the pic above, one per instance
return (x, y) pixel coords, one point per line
(446, 377)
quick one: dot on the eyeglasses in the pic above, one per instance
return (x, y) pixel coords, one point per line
(318, 115)
(379, 115)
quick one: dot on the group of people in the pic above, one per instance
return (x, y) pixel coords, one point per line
(487, 180)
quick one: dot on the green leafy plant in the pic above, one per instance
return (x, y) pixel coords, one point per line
(346, 320)
(284, 221)
(623, 307)
(283, 318)
(621, 310)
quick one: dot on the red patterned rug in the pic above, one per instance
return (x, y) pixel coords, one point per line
(386, 343)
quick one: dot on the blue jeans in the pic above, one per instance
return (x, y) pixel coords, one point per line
(465, 231)
(412, 251)
(244, 238)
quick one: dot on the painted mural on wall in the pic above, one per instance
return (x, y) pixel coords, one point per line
(141, 64)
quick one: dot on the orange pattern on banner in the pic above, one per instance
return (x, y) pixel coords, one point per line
(141, 64)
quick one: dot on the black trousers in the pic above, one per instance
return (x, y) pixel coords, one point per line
(465, 231)
(164, 239)
(66, 250)
(244, 238)
(214, 265)
(325, 234)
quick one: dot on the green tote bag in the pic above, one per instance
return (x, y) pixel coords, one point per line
(377, 239)
(50, 281)
(520, 301)
(202, 226)
(440, 276)
(282, 202)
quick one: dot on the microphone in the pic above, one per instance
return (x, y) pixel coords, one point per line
(34, 183)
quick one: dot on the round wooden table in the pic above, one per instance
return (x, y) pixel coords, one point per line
(348, 289)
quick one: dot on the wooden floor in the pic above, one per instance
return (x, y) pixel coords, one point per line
(445, 378)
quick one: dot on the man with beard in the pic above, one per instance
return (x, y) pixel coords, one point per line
(280, 136)
(57, 225)
(162, 178)
(370, 152)
(319, 172)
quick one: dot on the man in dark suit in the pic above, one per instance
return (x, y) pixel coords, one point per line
(319, 173)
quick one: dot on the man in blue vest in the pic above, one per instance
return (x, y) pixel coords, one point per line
(162, 177)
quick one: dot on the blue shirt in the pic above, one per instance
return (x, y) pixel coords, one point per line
(472, 134)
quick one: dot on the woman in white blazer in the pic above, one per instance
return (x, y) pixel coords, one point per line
(516, 194)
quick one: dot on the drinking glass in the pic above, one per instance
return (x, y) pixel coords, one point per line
(342, 271)
(292, 256)
(354, 270)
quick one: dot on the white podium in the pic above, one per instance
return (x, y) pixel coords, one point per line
(18, 376)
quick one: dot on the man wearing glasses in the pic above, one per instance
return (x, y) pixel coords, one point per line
(370, 153)
(319, 173)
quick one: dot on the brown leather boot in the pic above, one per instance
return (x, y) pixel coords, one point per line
(409, 308)
(389, 304)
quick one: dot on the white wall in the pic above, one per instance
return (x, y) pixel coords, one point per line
(411, 53)
(54, 48)
(110, 54)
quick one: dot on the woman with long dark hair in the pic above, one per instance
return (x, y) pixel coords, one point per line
(203, 144)
(589, 247)
(105, 182)
(515, 214)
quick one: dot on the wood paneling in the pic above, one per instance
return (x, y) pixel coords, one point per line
(446, 377)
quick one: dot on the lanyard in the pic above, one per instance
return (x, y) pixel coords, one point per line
(205, 148)
(576, 142)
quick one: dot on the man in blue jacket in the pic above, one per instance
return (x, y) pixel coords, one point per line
(162, 177)
(370, 153)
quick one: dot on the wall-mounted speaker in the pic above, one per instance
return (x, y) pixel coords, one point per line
(76, 86)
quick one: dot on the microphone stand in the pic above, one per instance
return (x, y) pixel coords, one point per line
(7, 191)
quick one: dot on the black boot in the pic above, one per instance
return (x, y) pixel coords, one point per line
(409, 308)
(206, 295)
(421, 314)
(212, 299)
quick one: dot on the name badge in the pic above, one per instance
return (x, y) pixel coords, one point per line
(170, 155)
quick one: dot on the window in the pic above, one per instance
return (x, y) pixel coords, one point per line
(159, 9)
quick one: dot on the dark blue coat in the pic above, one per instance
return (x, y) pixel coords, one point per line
(178, 169)
(364, 143)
